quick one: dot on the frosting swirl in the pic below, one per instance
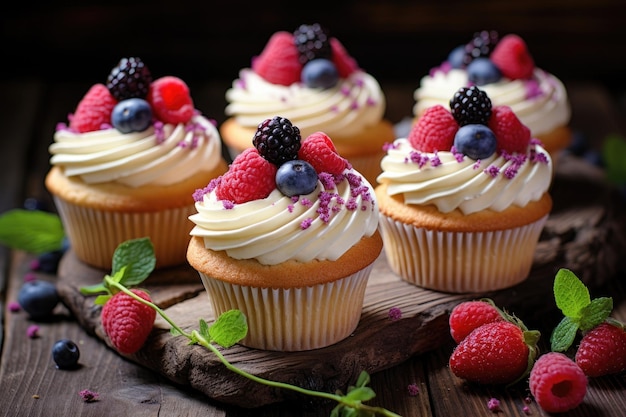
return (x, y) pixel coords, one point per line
(322, 225)
(161, 155)
(452, 181)
(348, 108)
(541, 103)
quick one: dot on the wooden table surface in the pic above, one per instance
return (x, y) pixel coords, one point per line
(31, 386)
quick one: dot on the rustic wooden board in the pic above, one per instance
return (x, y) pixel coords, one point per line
(585, 233)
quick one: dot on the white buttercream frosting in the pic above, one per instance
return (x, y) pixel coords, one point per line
(354, 104)
(541, 103)
(452, 181)
(322, 225)
(160, 156)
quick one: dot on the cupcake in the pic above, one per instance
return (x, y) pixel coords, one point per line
(308, 77)
(288, 236)
(464, 197)
(505, 70)
(128, 162)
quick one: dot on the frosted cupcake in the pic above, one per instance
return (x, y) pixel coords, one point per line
(464, 197)
(288, 236)
(505, 70)
(126, 165)
(309, 78)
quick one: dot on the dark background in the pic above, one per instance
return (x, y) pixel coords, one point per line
(396, 41)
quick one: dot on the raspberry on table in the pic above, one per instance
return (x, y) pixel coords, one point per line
(557, 383)
(277, 140)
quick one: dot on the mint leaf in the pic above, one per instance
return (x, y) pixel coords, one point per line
(137, 256)
(570, 293)
(614, 155)
(361, 394)
(363, 380)
(595, 313)
(229, 328)
(33, 231)
(563, 335)
(204, 329)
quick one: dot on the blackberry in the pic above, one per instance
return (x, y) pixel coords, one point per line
(129, 79)
(312, 41)
(481, 45)
(277, 140)
(470, 105)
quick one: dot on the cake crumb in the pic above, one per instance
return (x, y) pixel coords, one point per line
(89, 396)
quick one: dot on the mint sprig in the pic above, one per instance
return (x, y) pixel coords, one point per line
(134, 260)
(580, 312)
(33, 231)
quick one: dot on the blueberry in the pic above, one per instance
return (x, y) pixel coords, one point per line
(579, 144)
(65, 354)
(38, 298)
(296, 177)
(131, 115)
(31, 203)
(476, 141)
(455, 57)
(320, 73)
(482, 71)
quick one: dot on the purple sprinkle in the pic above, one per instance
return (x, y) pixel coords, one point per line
(395, 314)
(492, 170)
(413, 390)
(227, 204)
(345, 91)
(32, 331)
(493, 404)
(14, 306)
(306, 223)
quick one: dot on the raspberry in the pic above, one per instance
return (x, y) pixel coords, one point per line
(512, 58)
(312, 41)
(557, 383)
(434, 131)
(511, 134)
(481, 45)
(277, 140)
(319, 151)
(470, 105)
(127, 321)
(469, 315)
(250, 177)
(345, 64)
(129, 79)
(94, 110)
(170, 100)
(602, 350)
(278, 63)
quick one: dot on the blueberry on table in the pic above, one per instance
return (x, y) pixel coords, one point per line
(65, 354)
(38, 298)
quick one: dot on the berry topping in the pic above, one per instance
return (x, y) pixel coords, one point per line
(481, 45)
(277, 140)
(38, 298)
(557, 383)
(131, 115)
(65, 354)
(483, 71)
(470, 105)
(312, 42)
(511, 134)
(434, 131)
(345, 64)
(320, 73)
(170, 100)
(129, 79)
(456, 56)
(602, 350)
(250, 177)
(469, 315)
(94, 110)
(511, 56)
(296, 177)
(319, 150)
(127, 321)
(475, 141)
(278, 63)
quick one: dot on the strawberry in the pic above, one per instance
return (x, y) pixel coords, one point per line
(557, 383)
(511, 134)
(279, 63)
(495, 353)
(250, 177)
(318, 150)
(345, 64)
(469, 315)
(170, 100)
(94, 110)
(512, 58)
(127, 321)
(434, 131)
(602, 350)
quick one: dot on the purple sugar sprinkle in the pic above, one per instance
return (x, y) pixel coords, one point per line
(535, 141)
(32, 331)
(306, 202)
(387, 146)
(413, 390)
(14, 306)
(345, 91)
(532, 89)
(492, 170)
(359, 82)
(334, 108)
(227, 204)
(351, 204)
(511, 171)
(159, 132)
(435, 161)
(526, 409)
(61, 126)
(395, 314)
(493, 404)
(370, 101)
(476, 164)
(88, 395)
(457, 155)
(327, 180)
(306, 223)
(354, 105)
(290, 208)
(538, 157)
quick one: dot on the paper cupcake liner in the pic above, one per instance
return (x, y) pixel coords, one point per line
(293, 319)
(460, 262)
(95, 234)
